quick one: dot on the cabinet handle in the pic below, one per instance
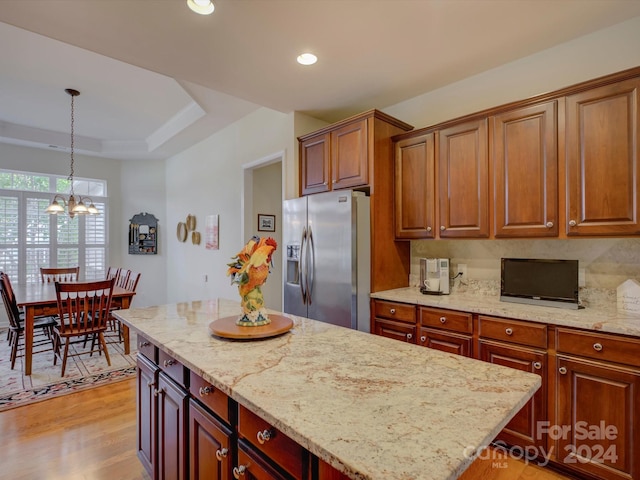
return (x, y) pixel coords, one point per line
(597, 347)
(443, 320)
(151, 383)
(549, 224)
(158, 391)
(392, 311)
(143, 344)
(563, 370)
(409, 336)
(423, 339)
(442, 228)
(205, 390)
(572, 223)
(428, 229)
(509, 331)
(239, 471)
(537, 365)
(220, 454)
(264, 436)
(168, 363)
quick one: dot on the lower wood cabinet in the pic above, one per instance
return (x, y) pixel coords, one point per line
(446, 330)
(211, 445)
(394, 320)
(147, 376)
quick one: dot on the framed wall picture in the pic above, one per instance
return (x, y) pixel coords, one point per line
(266, 223)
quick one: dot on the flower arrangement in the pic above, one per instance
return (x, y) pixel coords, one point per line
(249, 270)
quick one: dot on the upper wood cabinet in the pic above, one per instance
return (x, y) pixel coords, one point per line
(315, 160)
(415, 187)
(463, 180)
(349, 156)
(525, 171)
(602, 135)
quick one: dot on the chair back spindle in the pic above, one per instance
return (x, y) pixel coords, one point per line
(65, 274)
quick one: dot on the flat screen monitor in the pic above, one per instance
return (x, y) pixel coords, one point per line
(551, 283)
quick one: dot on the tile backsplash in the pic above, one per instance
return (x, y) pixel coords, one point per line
(606, 262)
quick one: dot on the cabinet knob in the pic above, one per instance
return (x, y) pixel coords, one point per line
(221, 453)
(537, 365)
(562, 370)
(239, 471)
(392, 311)
(442, 228)
(143, 344)
(428, 229)
(509, 331)
(168, 363)
(264, 436)
(572, 223)
(423, 339)
(409, 336)
(443, 320)
(151, 383)
(549, 224)
(597, 347)
(205, 390)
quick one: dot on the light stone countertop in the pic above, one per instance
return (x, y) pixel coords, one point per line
(372, 407)
(601, 318)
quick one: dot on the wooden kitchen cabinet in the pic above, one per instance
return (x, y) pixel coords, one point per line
(415, 196)
(349, 155)
(211, 445)
(463, 180)
(315, 164)
(394, 320)
(446, 330)
(524, 157)
(146, 382)
(602, 144)
(598, 404)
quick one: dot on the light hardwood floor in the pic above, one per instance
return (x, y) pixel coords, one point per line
(91, 435)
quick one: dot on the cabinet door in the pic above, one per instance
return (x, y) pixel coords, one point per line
(523, 429)
(525, 172)
(251, 466)
(415, 187)
(602, 143)
(349, 156)
(404, 332)
(446, 341)
(210, 451)
(172, 420)
(598, 407)
(463, 165)
(315, 164)
(147, 373)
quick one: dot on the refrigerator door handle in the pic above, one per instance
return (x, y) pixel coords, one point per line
(310, 269)
(302, 266)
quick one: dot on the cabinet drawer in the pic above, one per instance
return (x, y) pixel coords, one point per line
(446, 319)
(598, 346)
(146, 348)
(171, 367)
(513, 331)
(270, 441)
(214, 398)
(400, 312)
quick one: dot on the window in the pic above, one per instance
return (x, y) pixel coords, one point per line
(31, 238)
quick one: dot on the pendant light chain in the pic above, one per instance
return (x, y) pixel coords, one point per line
(72, 141)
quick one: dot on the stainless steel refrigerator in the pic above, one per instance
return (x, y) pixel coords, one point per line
(327, 259)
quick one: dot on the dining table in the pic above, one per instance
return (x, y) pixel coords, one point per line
(39, 299)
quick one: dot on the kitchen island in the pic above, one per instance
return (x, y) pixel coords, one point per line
(371, 407)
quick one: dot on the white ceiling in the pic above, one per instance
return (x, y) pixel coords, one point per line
(156, 78)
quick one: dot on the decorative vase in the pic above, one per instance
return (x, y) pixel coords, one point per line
(253, 312)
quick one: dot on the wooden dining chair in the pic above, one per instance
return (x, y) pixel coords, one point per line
(43, 325)
(114, 334)
(112, 272)
(83, 309)
(66, 274)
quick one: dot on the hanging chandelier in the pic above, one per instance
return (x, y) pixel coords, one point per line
(75, 205)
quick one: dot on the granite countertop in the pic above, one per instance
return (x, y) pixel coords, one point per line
(605, 318)
(372, 407)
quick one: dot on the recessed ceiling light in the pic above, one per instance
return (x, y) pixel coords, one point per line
(307, 59)
(203, 7)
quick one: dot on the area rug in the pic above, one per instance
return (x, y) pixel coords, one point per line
(45, 382)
